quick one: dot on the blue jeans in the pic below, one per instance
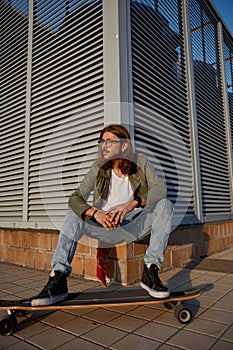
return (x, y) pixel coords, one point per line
(137, 224)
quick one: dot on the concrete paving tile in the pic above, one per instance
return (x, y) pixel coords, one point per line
(224, 305)
(205, 279)
(228, 335)
(146, 313)
(207, 327)
(22, 346)
(206, 301)
(79, 326)
(195, 273)
(222, 254)
(76, 285)
(127, 323)
(159, 306)
(7, 287)
(7, 278)
(215, 275)
(214, 293)
(169, 347)
(168, 318)
(222, 345)
(228, 256)
(228, 279)
(170, 273)
(39, 314)
(189, 285)
(7, 296)
(104, 335)
(50, 339)
(191, 341)
(218, 315)
(216, 265)
(27, 293)
(156, 331)
(134, 342)
(228, 296)
(79, 312)
(27, 272)
(8, 342)
(22, 282)
(223, 286)
(177, 283)
(17, 290)
(57, 318)
(122, 309)
(81, 344)
(42, 278)
(35, 285)
(28, 327)
(101, 315)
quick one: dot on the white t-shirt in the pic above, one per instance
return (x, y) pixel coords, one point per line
(119, 192)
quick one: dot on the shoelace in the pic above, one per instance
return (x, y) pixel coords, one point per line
(155, 276)
(50, 282)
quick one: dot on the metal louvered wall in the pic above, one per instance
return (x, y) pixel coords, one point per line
(66, 105)
(162, 107)
(13, 78)
(160, 97)
(215, 181)
(228, 64)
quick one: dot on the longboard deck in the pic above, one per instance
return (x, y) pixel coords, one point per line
(100, 298)
(103, 298)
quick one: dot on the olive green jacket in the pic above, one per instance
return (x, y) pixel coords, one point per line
(145, 183)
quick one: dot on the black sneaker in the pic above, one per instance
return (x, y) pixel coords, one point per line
(55, 290)
(151, 282)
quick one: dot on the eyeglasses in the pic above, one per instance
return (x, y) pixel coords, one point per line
(108, 143)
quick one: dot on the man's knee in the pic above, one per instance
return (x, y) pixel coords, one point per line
(71, 224)
(164, 205)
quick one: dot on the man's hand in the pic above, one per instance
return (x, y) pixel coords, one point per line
(104, 219)
(117, 213)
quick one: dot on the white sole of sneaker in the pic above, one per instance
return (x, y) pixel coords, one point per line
(49, 301)
(155, 293)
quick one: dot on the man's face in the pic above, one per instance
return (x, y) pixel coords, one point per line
(111, 146)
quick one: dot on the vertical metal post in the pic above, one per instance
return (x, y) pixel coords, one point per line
(27, 113)
(118, 106)
(192, 112)
(226, 108)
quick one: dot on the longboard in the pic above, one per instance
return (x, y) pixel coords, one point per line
(98, 298)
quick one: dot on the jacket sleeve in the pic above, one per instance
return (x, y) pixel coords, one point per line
(78, 199)
(157, 189)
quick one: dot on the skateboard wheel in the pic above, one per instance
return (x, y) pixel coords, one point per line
(8, 325)
(170, 304)
(183, 314)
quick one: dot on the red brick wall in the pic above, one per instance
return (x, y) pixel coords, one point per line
(34, 248)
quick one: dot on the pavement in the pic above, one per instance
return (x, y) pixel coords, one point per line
(128, 327)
